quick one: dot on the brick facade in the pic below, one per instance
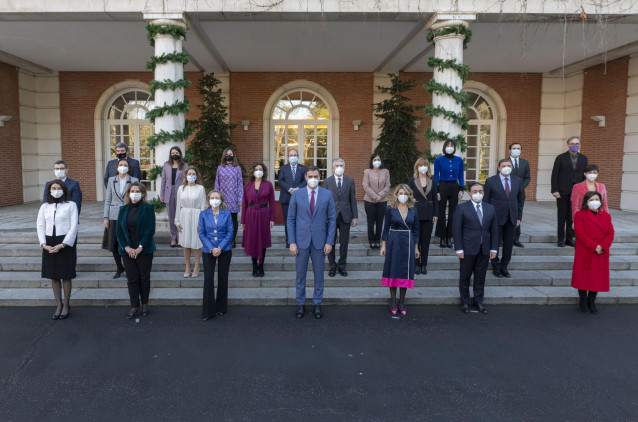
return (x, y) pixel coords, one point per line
(605, 94)
(521, 94)
(11, 169)
(79, 94)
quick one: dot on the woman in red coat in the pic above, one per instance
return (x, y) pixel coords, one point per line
(257, 216)
(594, 234)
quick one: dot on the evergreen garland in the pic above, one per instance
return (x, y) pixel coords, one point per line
(462, 69)
(168, 85)
(174, 31)
(455, 29)
(154, 173)
(165, 58)
(176, 136)
(460, 97)
(397, 141)
(173, 109)
(458, 118)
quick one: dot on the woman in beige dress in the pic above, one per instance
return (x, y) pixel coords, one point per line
(191, 200)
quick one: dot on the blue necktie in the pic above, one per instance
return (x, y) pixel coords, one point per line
(480, 214)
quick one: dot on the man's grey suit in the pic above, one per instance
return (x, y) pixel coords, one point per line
(346, 210)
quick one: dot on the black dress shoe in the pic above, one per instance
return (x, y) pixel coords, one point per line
(132, 313)
(570, 243)
(417, 270)
(260, 270)
(301, 311)
(481, 308)
(332, 272)
(449, 243)
(497, 273)
(287, 245)
(465, 308)
(561, 244)
(205, 319)
(118, 274)
(505, 273)
(344, 273)
(317, 312)
(424, 270)
(442, 244)
(518, 244)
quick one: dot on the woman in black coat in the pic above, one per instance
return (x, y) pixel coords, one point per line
(427, 208)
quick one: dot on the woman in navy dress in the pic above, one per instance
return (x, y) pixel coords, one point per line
(449, 176)
(400, 245)
(216, 234)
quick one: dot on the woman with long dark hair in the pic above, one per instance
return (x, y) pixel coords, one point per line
(229, 181)
(172, 177)
(449, 176)
(57, 228)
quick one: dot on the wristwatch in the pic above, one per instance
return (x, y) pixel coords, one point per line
(63, 245)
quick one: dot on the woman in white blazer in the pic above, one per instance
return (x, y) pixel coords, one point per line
(116, 187)
(57, 227)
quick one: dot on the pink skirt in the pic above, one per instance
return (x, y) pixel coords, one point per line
(397, 282)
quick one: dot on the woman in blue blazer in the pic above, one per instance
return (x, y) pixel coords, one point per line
(135, 229)
(216, 233)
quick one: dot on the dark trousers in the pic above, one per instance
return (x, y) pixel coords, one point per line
(211, 306)
(233, 216)
(517, 233)
(505, 235)
(564, 218)
(118, 260)
(284, 211)
(375, 212)
(138, 274)
(344, 236)
(449, 192)
(476, 265)
(425, 235)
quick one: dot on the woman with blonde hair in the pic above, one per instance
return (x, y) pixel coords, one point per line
(191, 200)
(216, 234)
(427, 208)
(400, 245)
(229, 181)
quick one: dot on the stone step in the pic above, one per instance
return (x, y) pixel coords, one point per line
(164, 250)
(241, 279)
(287, 263)
(494, 295)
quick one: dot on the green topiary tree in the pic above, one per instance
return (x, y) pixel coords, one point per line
(212, 135)
(398, 131)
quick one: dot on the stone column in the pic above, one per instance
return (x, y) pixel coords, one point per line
(447, 47)
(166, 44)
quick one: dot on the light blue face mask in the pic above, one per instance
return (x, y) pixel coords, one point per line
(293, 159)
(516, 153)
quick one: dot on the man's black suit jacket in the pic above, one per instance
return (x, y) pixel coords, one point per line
(470, 235)
(564, 177)
(506, 207)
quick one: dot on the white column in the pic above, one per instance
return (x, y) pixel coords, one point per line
(629, 194)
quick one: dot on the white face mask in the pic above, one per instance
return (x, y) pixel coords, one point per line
(516, 153)
(449, 150)
(591, 176)
(293, 159)
(313, 182)
(215, 203)
(593, 205)
(506, 171)
(376, 163)
(191, 178)
(57, 193)
(135, 196)
(477, 197)
(423, 169)
(339, 171)
(60, 174)
(122, 169)
(403, 198)
(258, 174)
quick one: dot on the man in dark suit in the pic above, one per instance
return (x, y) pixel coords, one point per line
(342, 188)
(60, 169)
(121, 152)
(504, 192)
(521, 170)
(291, 177)
(475, 231)
(569, 169)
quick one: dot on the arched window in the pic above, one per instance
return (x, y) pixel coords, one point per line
(300, 119)
(482, 148)
(126, 122)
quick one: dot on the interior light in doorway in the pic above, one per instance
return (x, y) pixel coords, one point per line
(599, 119)
(356, 124)
(4, 119)
(245, 124)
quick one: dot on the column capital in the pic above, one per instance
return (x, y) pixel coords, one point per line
(441, 20)
(167, 18)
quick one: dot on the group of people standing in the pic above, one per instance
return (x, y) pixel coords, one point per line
(400, 221)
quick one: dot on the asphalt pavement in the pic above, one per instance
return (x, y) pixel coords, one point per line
(526, 363)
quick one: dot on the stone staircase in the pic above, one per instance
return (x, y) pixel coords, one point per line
(541, 274)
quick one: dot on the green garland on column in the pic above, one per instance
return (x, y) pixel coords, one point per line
(460, 96)
(167, 84)
(165, 58)
(175, 31)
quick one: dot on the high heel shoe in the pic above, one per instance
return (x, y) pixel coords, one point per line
(393, 308)
(57, 316)
(132, 313)
(195, 274)
(403, 309)
(145, 310)
(68, 312)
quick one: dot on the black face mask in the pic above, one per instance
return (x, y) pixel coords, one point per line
(121, 156)
(176, 157)
(230, 158)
